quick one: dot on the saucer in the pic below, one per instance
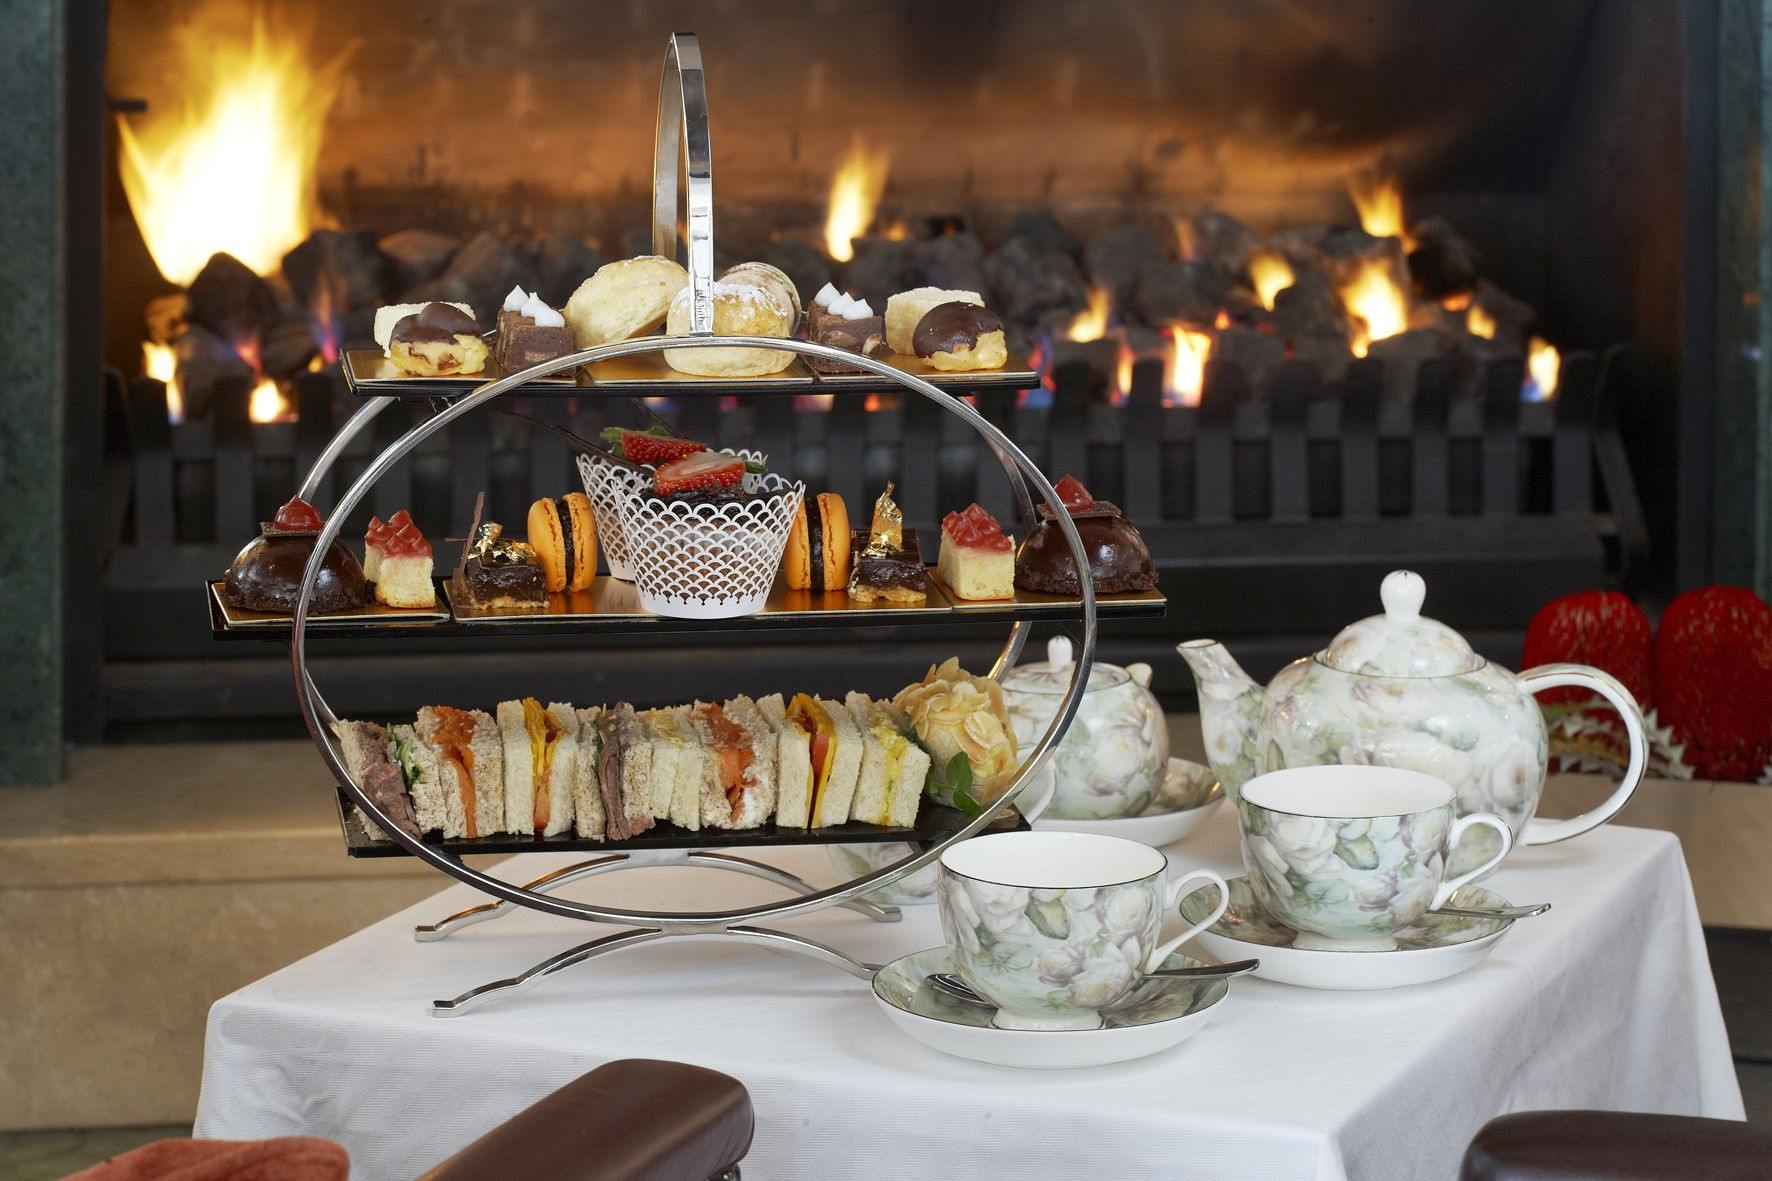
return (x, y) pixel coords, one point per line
(1436, 947)
(1188, 798)
(1159, 1014)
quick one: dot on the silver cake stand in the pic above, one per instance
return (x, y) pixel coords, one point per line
(682, 137)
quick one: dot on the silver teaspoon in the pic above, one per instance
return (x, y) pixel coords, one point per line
(958, 989)
(1493, 912)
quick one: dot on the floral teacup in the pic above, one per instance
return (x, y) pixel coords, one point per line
(1054, 927)
(1354, 853)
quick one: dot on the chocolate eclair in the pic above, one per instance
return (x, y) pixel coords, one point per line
(960, 336)
(436, 342)
(1118, 559)
(888, 562)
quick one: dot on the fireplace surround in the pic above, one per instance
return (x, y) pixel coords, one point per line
(1597, 171)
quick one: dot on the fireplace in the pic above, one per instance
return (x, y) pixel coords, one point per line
(1313, 291)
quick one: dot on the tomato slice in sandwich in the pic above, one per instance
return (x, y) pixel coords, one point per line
(813, 719)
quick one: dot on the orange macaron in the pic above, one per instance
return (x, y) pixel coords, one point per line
(564, 535)
(817, 554)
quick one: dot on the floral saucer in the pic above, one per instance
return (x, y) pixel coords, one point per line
(1159, 1014)
(1189, 796)
(1436, 947)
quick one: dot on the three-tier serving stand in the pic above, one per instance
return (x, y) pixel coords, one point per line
(682, 143)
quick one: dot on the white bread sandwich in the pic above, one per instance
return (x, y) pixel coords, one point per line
(834, 747)
(793, 764)
(587, 796)
(369, 758)
(470, 762)
(624, 772)
(893, 766)
(682, 769)
(541, 759)
(742, 747)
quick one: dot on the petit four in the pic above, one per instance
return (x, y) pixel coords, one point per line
(494, 572)
(1119, 561)
(888, 563)
(267, 572)
(437, 341)
(953, 712)
(740, 309)
(529, 332)
(392, 314)
(624, 299)
(563, 534)
(977, 558)
(906, 310)
(960, 336)
(843, 323)
(771, 279)
(403, 564)
(817, 553)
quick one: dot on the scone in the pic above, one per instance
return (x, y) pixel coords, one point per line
(771, 279)
(439, 341)
(906, 309)
(739, 310)
(960, 336)
(623, 299)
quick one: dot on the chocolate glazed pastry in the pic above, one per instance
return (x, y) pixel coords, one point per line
(951, 327)
(266, 575)
(438, 323)
(1118, 559)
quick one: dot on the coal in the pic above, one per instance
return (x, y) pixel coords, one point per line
(1328, 356)
(1442, 264)
(204, 360)
(1403, 354)
(1186, 291)
(558, 264)
(880, 269)
(418, 255)
(285, 349)
(164, 317)
(1119, 259)
(1513, 317)
(480, 275)
(1310, 309)
(1028, 288)
(1258, 354)
(802, 262)
(1222, 241)
(339, 269)
(952, 261)
(230, 300)
(1042, 232)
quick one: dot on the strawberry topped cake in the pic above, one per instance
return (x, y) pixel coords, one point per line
(977, 558)
(398, 559)
(1118, 558)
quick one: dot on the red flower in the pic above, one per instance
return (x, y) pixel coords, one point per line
(1601, 628)
(1713, 670)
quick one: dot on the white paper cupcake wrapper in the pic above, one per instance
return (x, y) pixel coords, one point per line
(607, 485)
(709, 561)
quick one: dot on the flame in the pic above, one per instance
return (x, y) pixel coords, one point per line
(1223, 319)
(268, 403)
(1480, 323)
(1377, 303)
(1092, 322)
(855, 194)
(897, 230)
(1380, 202)
(229, 165)
(1184, 366)
(161, 363)
(1124, 360)
(1543, 364)
(1185, 239)
(1270, 274)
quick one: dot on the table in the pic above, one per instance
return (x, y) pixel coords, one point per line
(1605, 1002)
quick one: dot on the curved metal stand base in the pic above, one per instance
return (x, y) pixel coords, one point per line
(547, 883)
(523, 981)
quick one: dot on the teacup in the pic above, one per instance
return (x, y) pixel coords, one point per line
(1352, 853)
(1054, 927)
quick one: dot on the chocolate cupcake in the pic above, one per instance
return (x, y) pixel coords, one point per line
(1118, 559)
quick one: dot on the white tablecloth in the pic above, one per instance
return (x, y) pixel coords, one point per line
(1605, 1002)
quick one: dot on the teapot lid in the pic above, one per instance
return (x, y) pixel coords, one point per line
(1055, 674)
(1402, 642)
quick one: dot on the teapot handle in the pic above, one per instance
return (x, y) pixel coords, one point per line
(1553, 676)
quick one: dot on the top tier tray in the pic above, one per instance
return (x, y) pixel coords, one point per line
(369, 374)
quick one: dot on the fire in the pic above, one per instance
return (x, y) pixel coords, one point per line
(1124, 360)
(1185, 240)
(855, 194)
(1377, 303)
(231, 166)
(1270, 274)
(1380, 202)
(160, 363)
(897, 230)
(1479, 322)
(1092, 322)
(1184, 366)
(1543, 363)
(268, 403)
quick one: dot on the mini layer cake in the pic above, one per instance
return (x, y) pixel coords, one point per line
(403, 575)
(977, 558)
(375, 540)
(841, 322)
(888, 561)
(529, 332)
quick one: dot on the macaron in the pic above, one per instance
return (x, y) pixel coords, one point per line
(817, 554)
(564, 535)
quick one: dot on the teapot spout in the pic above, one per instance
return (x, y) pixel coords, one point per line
(1230, 711)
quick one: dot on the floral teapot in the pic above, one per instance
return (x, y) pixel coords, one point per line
(1402, 690)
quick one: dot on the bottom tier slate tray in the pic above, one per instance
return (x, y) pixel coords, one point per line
(934, 823)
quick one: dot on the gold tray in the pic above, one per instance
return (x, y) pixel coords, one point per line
(1027, 598)
(650, 369)
(374, 615)
(368, 371)
(610, 600)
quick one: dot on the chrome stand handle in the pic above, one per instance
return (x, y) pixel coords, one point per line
(683, 128)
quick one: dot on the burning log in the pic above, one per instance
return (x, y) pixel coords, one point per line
(881, 267)
(802, 262)
(560, 262)
(205, 361)
(165, 317)
(230, 300)
(1309, 309)
(1042, 233)
(1258, 355)
(418, 255)
(287, 348)
(1507, 319)
(1403, 354)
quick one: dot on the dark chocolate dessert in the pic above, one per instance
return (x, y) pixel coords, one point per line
(836, 320)
(437, 323)
(494, 573)
(529, 332)
(266, 575)
(888, 561)
(1118, 559)
(952, 328)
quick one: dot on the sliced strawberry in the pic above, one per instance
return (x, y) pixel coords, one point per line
(701, 471)
(650, 446)
(1072, 494)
